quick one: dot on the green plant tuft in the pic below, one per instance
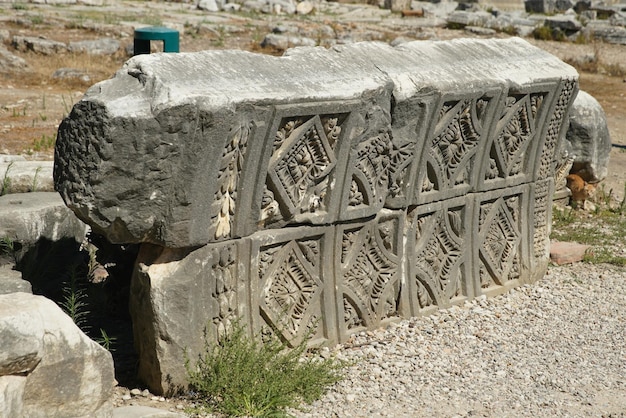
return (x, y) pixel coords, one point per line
(241, 376)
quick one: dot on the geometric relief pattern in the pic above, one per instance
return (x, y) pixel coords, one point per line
(437, 257)
(369, 274)
(291, 288)
(554, 132)
(541, 235)
(454, 144)
(222, 265)
(500, 238)
(515, 131)
(380, 163)
(303, 158)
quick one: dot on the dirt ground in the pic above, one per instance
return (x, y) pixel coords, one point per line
(32, 103)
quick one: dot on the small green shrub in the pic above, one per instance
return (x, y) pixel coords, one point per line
(241, 376)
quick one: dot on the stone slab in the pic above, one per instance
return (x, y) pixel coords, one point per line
(567, 252)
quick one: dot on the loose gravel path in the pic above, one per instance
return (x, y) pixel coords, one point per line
(553, 349)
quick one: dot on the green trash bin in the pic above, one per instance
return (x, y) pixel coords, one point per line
(143, 36)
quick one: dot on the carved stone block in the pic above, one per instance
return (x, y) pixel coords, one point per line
(368, 268)
(292, 288)
(179, 299)
(439, 272)
(501, 230)
(321, 193)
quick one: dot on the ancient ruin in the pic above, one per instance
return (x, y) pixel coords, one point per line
(327, 191)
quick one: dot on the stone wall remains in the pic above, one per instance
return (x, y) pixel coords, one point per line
(322, 193)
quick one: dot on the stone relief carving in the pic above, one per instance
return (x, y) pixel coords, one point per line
(370, 283)
(228, 178)
(541, 236)
(500, 233)
(437, 255)
(291, 287)
(566, 95)
(455, 141)
(303, 158)
(514, 132)
(225, 291)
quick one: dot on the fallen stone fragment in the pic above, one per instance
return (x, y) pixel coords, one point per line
(104, 46)
(588, 139)
(41, 345)
(11, 63)
(26, 176)
(40, 45)
(29, 217)
(567, 252)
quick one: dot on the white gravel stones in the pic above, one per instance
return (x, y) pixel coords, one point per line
(555, 348)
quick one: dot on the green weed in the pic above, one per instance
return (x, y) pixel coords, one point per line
(242, 376)
(5, 186)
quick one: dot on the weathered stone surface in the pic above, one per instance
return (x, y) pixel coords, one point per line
(608, 33)
(104, 46)
(39, 45)
(283, 42)
(332, 190)
(11, 280)
(28, 217)
(26, 176)
(567, 252)
(65, 373)
(11, 392)
(588, 139)
(10, 63)
(64, 73)
(143, 412)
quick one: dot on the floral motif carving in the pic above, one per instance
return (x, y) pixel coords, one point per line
(455, 142)
(225, 290)
(500, 236)
(302, 160)
(291, 287)
(370, 275)
(515, 131)
(541, 234)
(231, 165)
(437, 256)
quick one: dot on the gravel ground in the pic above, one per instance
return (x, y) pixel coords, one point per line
(552, 349)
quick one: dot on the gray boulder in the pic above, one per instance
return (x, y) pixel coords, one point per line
(48, 367)
(41, 45)
(588, 138)
(11, 280)
(104, 46)
(10, 63)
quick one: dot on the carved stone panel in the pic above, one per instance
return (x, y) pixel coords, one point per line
(510, 155)
(306, 162)
(437, 241)
(542, 225)
(368, 270)
(450, 164)
(502, 229)
(291, 286)
(555, 131)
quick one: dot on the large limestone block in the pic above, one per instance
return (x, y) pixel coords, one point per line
(588, 139)
(28, 217)
(179, 300)
(66, 373)
(26, 176)
(176, 148)
(186, 149)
